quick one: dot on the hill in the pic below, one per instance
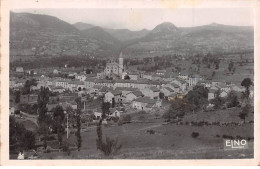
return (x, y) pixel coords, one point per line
(126, 34)
(34, 35)
(166, 37)
(83, 26)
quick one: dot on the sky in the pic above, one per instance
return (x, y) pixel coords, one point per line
(138, 18)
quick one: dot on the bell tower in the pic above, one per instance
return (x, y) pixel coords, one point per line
(120, 64)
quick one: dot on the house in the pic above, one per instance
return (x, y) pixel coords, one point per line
(113, 95)
(133, 95)
(133, 76)
(194, 79)
(28, 99)
(237, 88)
(152, 92)
(182, 83)
(145, 103)
(167, 91)
(19, 69)
(97, 115)
(224, 87)
(58, 89)
(223, 93)
(115, 112)
(183, 76)
(81, 77)
(55, 71)
(160, 72)
(173, 86)
(149, 77)
(212, 94)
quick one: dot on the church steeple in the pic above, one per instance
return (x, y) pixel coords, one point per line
(121, 63)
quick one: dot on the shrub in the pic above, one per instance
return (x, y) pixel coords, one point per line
(115, 119)
(150, 131)
(66, 148)
(141, 118)
(126, 118)
(195, 134)
(142, 112)
(120, 123)
(17, 112)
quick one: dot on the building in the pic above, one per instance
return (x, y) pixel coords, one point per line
(145, 103)
(19, 69)
(194, 79)
(151, 92)
(167, 91)
(133, 95)
(182, 83)
(115, 68)
(113, 95)
(212, 94)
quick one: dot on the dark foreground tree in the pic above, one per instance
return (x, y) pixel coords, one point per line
(177, 110)
(217, 101)
(58, 115)
(19, 137)
(247, 83)
(232, 99)
(245, 111)
(78, 123)
(109, 146)
(44, 120)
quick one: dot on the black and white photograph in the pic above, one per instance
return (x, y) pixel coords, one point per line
(131, 83)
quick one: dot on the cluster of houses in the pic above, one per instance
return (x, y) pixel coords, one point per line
(141, 91)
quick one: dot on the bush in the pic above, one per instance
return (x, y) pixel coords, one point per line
(195, 134)
(142, 112)
(120, 123)
(17, 112)
(127, 118)
(115, 119)
(109, 146)
(141, 118)
(150, 131)
(66, 148)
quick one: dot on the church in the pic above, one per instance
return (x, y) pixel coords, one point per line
(113, 68)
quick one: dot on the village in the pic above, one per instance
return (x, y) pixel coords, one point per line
(132, 96)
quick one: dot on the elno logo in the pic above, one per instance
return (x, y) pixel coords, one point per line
(235, 144)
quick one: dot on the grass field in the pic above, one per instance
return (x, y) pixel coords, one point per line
(169, 141)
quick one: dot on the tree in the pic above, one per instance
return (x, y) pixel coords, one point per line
(19, 137)
(161, 95)
(177, 109)
(198, 97)
(27, 86)
(58, 115)
(109, 146)
(17, 95)
(232, 100)
(113, 103)
(244, 113)
(78, 101)
(78, 135)
(217, 101)
(127, 77)
(230, 66)
(28, 140)
(105, 109)
(247, 83)
(43, 119)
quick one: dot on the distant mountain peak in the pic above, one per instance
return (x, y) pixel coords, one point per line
(214, 24)
(165, 27)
